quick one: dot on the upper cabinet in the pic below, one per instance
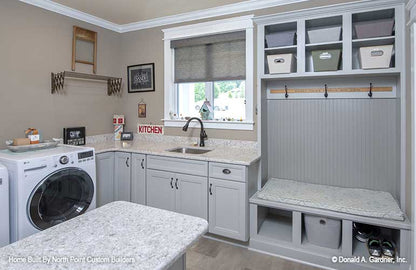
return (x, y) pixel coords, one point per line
(351, 41)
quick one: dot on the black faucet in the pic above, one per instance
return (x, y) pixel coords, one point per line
(202, 135)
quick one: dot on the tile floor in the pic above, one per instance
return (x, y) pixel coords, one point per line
(208, 254)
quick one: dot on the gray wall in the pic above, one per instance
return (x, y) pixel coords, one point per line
(34, 43)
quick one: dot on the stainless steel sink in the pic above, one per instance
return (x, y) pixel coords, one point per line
(188, 150)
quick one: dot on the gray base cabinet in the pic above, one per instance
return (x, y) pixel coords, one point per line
(160, 190)
(181, 185)
(122, 176)
(182, 193)
(105, 178)
(192, 195)
(227, 209)
(138, 178)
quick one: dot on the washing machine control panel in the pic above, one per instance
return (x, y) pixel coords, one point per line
(85, 156)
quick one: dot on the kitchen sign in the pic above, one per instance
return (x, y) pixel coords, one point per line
(150, 129)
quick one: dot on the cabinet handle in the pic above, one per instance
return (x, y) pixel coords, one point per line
(127, 162)
(226, 171)
(142, 163)
(210, 189)
(171, 182)
(176, 183)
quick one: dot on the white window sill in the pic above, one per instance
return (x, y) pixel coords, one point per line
(236, 125)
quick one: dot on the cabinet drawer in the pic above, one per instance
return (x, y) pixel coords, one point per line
(178, 165)
(227, 171)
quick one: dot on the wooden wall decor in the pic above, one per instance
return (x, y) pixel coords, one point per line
(84, 47)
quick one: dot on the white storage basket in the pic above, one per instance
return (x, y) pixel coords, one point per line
(376, 56)
(281, 63)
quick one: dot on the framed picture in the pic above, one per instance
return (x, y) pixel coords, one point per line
(142, 110)
(141, 78)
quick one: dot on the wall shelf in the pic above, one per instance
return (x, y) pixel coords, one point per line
(373, 41)
(340, 73)
(58, 81)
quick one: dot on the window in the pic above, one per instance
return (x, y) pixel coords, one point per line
(227, 99)
(210, 61)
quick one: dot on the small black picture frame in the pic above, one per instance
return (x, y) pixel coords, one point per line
(126, 136)
(141, 78)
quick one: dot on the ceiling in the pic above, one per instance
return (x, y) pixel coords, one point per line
(129, 11)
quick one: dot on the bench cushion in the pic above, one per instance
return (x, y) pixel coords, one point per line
(361, 202)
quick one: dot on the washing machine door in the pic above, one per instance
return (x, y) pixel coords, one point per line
(61, 196)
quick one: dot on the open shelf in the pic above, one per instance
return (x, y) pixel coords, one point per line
(340, 73)
(377, 41)
(283, 49)
(277, 225)
(324, 46)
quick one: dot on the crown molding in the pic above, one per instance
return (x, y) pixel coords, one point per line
(73, 13)
(245, 6)
(329, 9)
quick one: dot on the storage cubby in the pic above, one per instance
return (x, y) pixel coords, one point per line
(275, 224)
(373, 29)
(323, 49)
(324, 30)
(330, 234)
(284, 30)
(372, 16)
(360, 249)
(279, 41)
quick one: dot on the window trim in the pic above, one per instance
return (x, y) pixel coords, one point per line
(202, 29)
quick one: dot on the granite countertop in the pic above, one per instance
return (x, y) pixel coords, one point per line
(133, 235)
(235, 154)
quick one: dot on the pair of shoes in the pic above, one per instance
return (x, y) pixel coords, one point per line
(363, 232)
(377, 248)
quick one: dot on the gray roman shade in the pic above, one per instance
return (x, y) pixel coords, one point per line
(210, 58)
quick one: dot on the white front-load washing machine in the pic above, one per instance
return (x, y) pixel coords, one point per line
(48, 187)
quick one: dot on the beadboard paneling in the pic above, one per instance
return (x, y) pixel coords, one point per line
(340, 142)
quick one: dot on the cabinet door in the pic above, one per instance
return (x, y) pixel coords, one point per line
(138, 178)
(122, 174)
(228, 208)
(105, 178)
(192, 195)
(160, 189)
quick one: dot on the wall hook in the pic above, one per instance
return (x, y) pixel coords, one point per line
(286, 94)
(370, 93)
(326, 91)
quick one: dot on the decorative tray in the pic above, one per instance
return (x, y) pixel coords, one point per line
(32, 147)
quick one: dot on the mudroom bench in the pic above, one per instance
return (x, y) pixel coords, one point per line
(278, 220)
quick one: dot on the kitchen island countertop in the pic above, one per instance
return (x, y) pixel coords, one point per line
(119, 235)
